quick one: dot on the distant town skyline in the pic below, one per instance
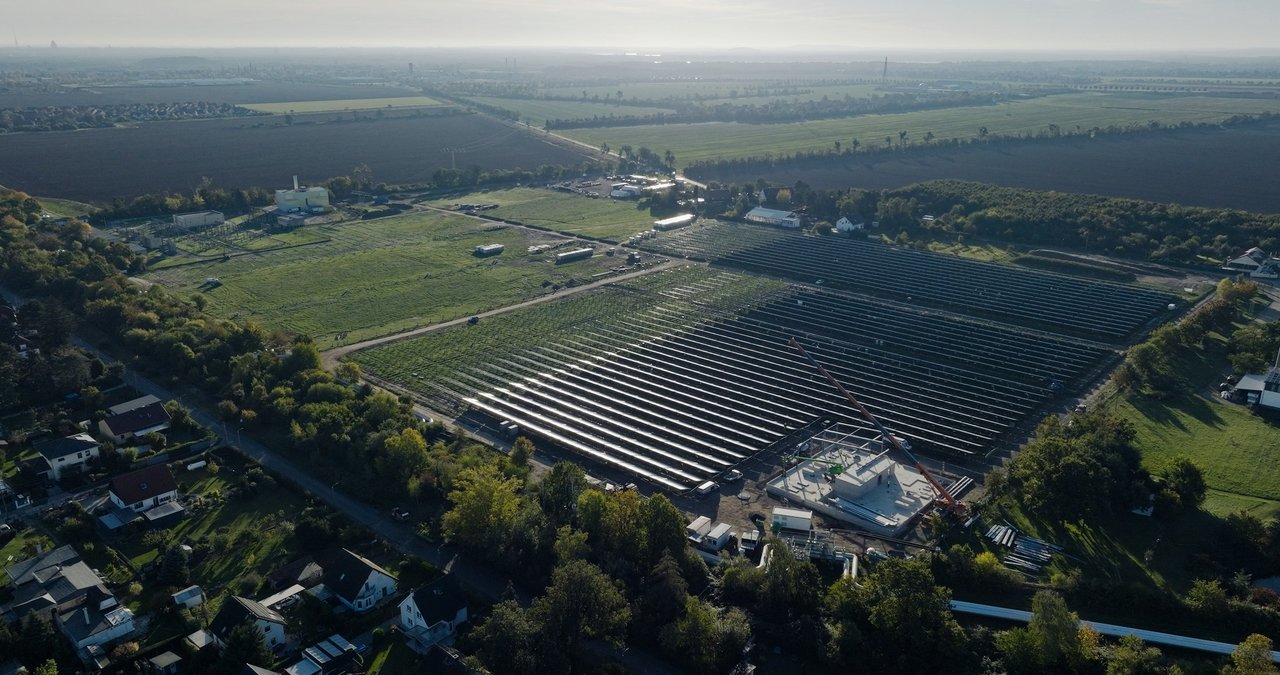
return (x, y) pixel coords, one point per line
(856, 25)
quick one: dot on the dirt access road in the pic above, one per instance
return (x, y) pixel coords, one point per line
(333, 356)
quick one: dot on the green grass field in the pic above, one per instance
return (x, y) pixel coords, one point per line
(381, 276)
(537, 111)
(1225, 439)
(717, 140)
(65, 207)
(391, 658)
(564, 212)
(1234, 448)
(251, 525)
(345, 104)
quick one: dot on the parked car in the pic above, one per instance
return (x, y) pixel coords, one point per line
(732, 475)
(706, 488)
(399, 514)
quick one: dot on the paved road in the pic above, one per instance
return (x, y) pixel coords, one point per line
(332, 356)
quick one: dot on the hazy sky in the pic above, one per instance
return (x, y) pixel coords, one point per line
(856, 24)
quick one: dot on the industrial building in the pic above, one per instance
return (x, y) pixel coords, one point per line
(302, 198)
(760, 214)
(674, 222)
(198, 219)
(1263, 390)
(625, 191)
(850, 476)
(1257, 263)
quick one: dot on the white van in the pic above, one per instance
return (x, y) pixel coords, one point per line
(706, 488)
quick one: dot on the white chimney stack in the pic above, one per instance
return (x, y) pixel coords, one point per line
(295, 183)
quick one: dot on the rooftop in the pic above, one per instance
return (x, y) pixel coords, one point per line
(439, 600)
(770, 213)
(345, 573)
(143, 484)
(61, 447)
(132, 405)
(137, 419)
(853, 478)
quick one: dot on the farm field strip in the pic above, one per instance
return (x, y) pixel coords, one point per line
(380, 276)
(537, 111)
(721, 140)
(718, 91)
(675, 390)
(261, 151)
(342, 104)
(1231, 168)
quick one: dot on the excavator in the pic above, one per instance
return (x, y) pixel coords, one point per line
(952, 506)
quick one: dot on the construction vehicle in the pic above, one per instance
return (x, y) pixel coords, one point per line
(951, 505)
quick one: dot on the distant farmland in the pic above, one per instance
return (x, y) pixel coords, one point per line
(1233, 168)
(1068, 112)
(255, 92)
(99, 164)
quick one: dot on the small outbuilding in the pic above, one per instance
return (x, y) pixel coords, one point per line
(792, 519)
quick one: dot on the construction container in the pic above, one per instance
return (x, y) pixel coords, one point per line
(576, 254)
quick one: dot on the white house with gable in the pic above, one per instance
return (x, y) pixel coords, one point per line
(433, 613)
(846, 225)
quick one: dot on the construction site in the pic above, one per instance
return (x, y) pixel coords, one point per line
(849, 477)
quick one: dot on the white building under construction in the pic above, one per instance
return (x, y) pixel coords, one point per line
(302, 198)
(849, 475)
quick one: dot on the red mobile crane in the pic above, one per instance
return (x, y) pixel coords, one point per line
(952, 506)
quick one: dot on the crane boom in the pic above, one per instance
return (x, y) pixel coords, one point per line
(951, 503)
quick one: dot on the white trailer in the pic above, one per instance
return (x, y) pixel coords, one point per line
(792, 519)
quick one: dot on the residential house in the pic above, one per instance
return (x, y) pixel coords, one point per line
(433, 613)
(846, 225)
(356, 581)
(143, 489)
(69, 453)
(50, 579)
(94, 620)
(237, 610)
(136, 422)
(58, 583)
